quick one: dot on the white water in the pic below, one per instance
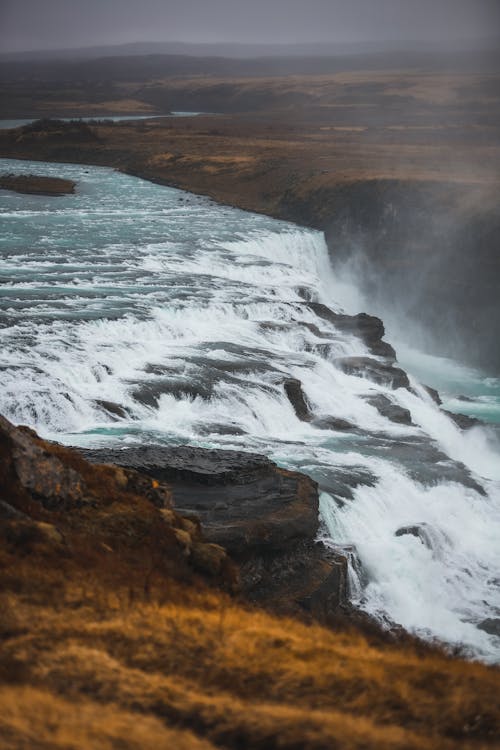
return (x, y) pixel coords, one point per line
(187, 316)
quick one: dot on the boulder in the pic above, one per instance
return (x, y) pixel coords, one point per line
(367, 327)
(112, 408)
(433, 394)
(295, 394)
(390, 410)
(372, 369)
(462, 420)
(333, 423)
(491, 626)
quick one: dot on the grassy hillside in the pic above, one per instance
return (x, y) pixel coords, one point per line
(118, 628)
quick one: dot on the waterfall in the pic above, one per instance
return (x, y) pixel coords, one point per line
(133, 313)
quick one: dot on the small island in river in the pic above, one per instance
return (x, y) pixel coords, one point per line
(33, 184)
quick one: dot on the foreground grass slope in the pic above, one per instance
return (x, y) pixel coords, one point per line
(116, 631)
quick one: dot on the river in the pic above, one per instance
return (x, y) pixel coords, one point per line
(134, 313)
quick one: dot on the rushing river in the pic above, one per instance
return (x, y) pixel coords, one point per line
(132, 313)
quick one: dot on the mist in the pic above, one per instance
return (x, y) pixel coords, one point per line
(419, 256)
(56, 24)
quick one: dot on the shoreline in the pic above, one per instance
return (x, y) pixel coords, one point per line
(390, 220)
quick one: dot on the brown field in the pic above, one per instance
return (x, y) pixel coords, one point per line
(89, 664)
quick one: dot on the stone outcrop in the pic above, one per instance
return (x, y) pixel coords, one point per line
(390, 410)
(264, 516)
(51, 497)
(463, 420)
(379, 372)
(368, 328)
(295, 394)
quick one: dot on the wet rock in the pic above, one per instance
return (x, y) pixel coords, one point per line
(462, 420)
(244, 501)
(491, 626)
(266, 517)
(307, 578)
(333, 423)
(433, 394)
(341, 482)
(390, 410)
(306, 293)
(367, 327)
(373, 369)
(417, 530)
(295, 394)
(219, 429)
(149, 393)
(424, 462)
(112, 408)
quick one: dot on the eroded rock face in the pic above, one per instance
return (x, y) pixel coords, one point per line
(121, 509)
(463, 420)
(266, 517)
(368, 328)
(388, 409)
(372, 369)
(244, 501)
(53, 499)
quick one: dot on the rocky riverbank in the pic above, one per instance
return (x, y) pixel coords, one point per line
(417, 227)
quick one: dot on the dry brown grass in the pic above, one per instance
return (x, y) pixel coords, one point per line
(89, 664)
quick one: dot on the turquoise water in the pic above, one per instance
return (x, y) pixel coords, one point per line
(133, 313)
(462, 389)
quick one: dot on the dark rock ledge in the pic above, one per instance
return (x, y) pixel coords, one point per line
(234, 518)
(265, 517)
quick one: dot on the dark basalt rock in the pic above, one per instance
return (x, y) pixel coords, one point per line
(149, 393)
(342, 482)
(433, 394)
(333, 423)
(266, 517)
(243, 500)
(426, 463)
(491, 626)
(388, 409)
(462, 420)
(112, 408)
(378, 372)
(295, 394)
(310, 575)
(367, 327)
(417, 530)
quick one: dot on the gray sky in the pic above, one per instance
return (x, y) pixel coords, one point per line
(55, 24)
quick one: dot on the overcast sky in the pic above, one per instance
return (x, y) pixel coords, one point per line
(56, 24)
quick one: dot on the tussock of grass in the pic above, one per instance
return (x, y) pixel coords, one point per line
(84, 664)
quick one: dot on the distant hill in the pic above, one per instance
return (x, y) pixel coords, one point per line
(248, 50)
